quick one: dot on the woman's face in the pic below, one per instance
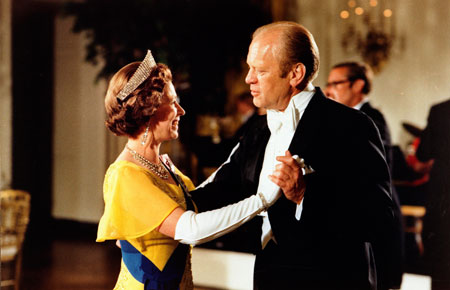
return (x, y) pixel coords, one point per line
(167, 116)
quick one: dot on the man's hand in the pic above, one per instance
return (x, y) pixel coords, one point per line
(289, 177)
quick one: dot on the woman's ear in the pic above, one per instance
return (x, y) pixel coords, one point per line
(297, 74)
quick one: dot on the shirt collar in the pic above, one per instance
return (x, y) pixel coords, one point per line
(290, 117)
(360, 104)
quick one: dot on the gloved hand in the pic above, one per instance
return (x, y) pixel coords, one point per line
(196, 228)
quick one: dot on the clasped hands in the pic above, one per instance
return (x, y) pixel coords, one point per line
(289, 177)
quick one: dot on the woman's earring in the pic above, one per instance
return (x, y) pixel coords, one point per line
(144, 137)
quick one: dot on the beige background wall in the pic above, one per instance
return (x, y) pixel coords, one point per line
(5, 93)
(415, 77)
(79, 157)
(410, 83)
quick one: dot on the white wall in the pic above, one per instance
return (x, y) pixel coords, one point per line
(79, 157)
(5, 94)
(413, 79)
(419, 77)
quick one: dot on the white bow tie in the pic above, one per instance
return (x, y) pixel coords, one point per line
(281, 120)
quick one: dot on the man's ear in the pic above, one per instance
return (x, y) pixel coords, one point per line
(358, 85)
(297, 74)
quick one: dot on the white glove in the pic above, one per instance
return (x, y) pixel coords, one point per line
(196, 228)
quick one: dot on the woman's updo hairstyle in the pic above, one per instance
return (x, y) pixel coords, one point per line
(131, 116)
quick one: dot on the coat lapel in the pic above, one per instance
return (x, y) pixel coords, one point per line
(255, 150)
(304, 144)
(307, 127)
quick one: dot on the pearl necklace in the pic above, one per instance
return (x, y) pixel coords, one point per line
(158, 169)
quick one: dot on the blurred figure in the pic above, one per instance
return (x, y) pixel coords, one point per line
(411, 175)
(233, 125)
(246, 111)
(421, 168)
(349, 83)
(244, 106)
(216, 137)
(435, 145)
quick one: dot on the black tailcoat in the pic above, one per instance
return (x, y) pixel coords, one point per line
(389, 257)
(347, 203)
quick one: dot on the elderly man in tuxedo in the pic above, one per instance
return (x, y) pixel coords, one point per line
(350, 83)
(319, 234)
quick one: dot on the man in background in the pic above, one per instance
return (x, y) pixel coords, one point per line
(350, 83)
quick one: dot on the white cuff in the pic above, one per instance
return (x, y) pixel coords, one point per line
(299, 210)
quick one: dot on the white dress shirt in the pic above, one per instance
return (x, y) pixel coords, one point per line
(360, 104)
(282, 126)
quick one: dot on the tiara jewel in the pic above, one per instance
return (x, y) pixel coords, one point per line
(139, 76)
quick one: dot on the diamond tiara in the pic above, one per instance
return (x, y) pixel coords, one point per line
(139, 76)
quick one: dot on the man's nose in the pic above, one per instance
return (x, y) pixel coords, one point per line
(250, 78)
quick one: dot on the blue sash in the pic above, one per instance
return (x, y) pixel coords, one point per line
(144, 271)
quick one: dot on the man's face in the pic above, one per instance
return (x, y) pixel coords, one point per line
(339, 88)
(268, 89)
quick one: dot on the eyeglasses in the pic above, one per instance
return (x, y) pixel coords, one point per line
(334, 84)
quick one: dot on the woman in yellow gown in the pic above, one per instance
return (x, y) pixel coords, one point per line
(147, 203)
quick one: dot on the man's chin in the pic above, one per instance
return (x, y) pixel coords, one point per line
(258, 103)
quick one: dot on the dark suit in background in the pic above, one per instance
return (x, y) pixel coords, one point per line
(350, 83)
(390, 261)
(435, 144)
(347, 204)
(378, 118)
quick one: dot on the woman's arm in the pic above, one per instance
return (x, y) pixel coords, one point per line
(195, 228)
(191, 228)
(168, 226)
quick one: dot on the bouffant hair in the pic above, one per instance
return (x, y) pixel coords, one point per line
(131, 116)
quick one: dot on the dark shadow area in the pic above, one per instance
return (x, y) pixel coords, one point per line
(70, 259)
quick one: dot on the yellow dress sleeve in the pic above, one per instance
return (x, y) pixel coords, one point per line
(134, 204)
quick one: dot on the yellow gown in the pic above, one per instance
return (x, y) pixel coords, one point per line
(136, 203)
